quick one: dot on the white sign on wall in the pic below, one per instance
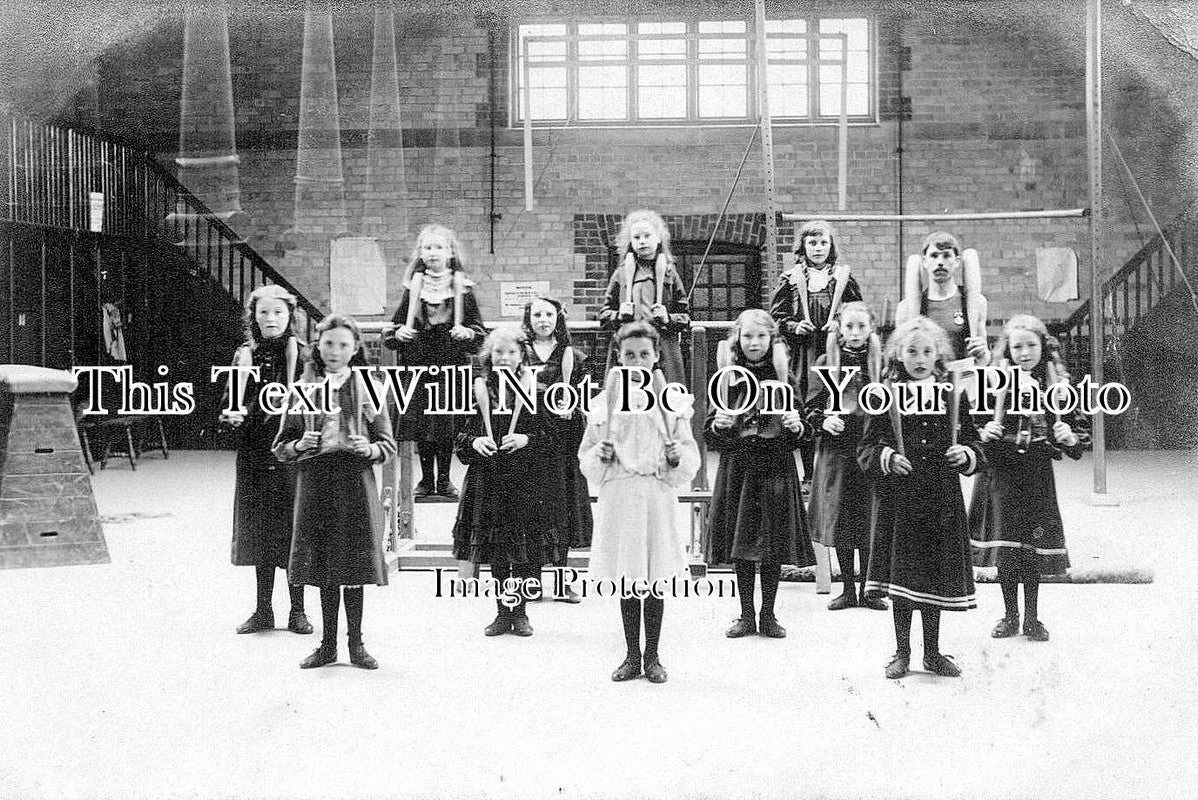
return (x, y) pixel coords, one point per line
(514, 294)
(357, 276)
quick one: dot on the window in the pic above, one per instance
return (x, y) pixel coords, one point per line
(634, 72)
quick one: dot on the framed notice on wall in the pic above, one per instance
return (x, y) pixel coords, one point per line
(514, 294)
(357, 276)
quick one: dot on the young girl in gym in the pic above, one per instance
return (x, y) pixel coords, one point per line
(638, 462)
(437, 324)
(645, 286)
(757, 519)
(1014, 519)
(338, 537)
(919, 552)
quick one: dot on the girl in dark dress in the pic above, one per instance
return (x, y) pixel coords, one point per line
(440, 335)
(338, 529)
(511, 514)
(818, 261)
(265, 489)
(757, 514)
(643, 243)
(1014, 519)
(841, 494)
(919, 552)
(550, 348)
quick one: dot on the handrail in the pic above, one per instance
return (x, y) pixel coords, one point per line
(84, 180)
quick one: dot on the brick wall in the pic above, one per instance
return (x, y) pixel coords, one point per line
(996, 102)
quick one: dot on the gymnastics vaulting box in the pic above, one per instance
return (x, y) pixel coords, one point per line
(48, 515)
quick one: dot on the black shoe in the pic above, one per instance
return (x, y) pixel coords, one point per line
(322, 656)
(940, 664)
(258, 622)
(1006, 627)
(873, 603)
(899, 664)
(654, 671)
(298, 622)
(631, 668)
(499, 626)
(1034, 629)
(742, 627)
(446, 489)
(768, 626)
(843, 601)
(360, 658)
(423, 489)
(521, 626)
(570, 597)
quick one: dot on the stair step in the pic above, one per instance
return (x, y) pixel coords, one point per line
(413, 555)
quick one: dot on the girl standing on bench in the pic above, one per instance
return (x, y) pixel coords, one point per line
(757, 514)
(264, 494)
(437, 324)
(637, 462)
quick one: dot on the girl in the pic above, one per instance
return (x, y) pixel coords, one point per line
(545, 326)
(511, 515)
(841, 494)
(264, 493)
(638, 461)
(645, 287)
(817, 277)
(1014, 519)
(919, 553)
(756, 506)
(338, 519)
(444, 331)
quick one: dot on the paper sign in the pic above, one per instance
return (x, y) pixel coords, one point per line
(357, 276)
(513, 295)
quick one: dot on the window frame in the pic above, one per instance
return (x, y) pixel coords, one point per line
(692, 61)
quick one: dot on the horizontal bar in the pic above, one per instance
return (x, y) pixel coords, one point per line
(839, 217)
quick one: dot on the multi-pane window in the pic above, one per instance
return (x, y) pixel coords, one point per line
(606, 72)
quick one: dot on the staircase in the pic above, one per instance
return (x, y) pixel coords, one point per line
(65, 180)
(1150, 339)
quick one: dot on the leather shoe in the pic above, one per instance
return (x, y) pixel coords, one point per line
(1034, 629)
(843, 601)
(360, 658)
(422, 489)
(257, 622)
(655, 672)
(446, 489)
(629, 669)
(298, 622)
(499, 626)
(940, 664)
(873, 603)
(899, 664)
(742, 627)
(1006, 627)
(322, 656)
(768, 626)
(521, 626)
(570, 597)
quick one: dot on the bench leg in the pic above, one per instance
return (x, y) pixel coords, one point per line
(129, 443)
(162, 438)
(823, 569)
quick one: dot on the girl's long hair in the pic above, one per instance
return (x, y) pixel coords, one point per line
(457, 261)
(560, 332)
(253, 334)
(624, 236)
(759, 316)
(1050, 347)
(918, 325)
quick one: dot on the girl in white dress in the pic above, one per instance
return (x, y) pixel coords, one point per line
(637, 462)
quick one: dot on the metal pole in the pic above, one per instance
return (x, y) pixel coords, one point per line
(529, 202)
(982, 215)
(767, 139)
(843, 139)
(1094, 153)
